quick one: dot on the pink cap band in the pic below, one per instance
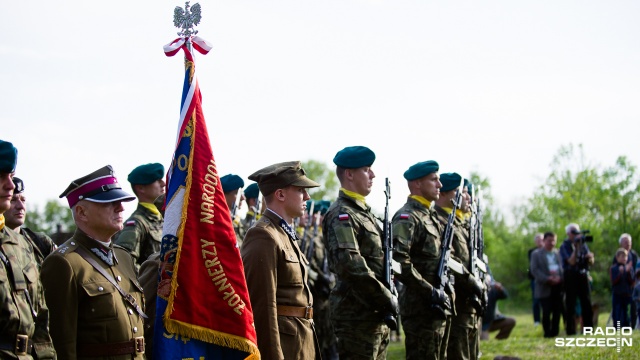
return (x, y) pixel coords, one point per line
(78, 194)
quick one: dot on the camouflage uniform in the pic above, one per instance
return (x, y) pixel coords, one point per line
(463, 339)
(141, 235)
(90, 318)
(359, 301)
(41, 243)
(321, 281)
(239, 229)
(417, 240)
(21, 296)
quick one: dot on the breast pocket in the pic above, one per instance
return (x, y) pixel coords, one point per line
(101, 301)
(371, 242)
(431, 245)
(290, 271)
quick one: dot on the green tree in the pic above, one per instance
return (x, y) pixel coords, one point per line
(323, 175)
(52, 215)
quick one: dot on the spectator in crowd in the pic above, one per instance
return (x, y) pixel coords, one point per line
(625, 243)
(621, 288)
(546, 269)
(576, 259)
(493, 319)
(537, 239)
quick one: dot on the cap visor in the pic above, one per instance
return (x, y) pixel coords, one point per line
(305, 182)
(111, 196)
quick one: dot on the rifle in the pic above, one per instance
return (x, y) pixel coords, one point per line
(477, 266)
(236, 204)
(316, 223)
(444, 272)
(387, 239)
(256, 209)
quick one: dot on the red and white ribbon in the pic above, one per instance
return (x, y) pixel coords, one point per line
(200, 44)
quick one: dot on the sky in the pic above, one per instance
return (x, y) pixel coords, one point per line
(495, 87)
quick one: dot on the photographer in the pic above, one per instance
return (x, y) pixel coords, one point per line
(576, 259)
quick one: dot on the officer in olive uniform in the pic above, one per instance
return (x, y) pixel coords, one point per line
(97, 306)
(24, 317)
(14, 220)
(276, 269)
(463, 339)
(252, 198)
(231, 185)
(142, 232)
(417, 241)
(360, 301)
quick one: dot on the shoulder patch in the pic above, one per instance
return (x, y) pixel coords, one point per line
(404, 216)
(130, 223)
(343, 217)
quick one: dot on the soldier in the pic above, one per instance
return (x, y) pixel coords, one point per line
(463, 338)
(254, 209)
(142, 232)
(417, 240)
(276, 269)
(90, 283)
(14, 220)
(231, 185)
(321, 280)
(24, 316)
(359, 301)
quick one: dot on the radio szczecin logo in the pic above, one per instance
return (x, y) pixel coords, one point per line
(608, 337)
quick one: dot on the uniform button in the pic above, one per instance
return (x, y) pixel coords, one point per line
(135, 329)
(100, 288)
(130, 312)
(119, 278)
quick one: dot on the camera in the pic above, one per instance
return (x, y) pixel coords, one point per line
(583, 237)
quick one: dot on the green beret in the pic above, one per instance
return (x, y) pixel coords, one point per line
(450, 181)
(231, 182)
(281, 175)
(252, 191)
(354, 157)
(421, 169)
(146, 174)
(322, 206)
(19, 185)
(8, 157)
(469, 186)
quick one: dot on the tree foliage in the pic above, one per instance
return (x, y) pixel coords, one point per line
(323, 175)
(52, 215)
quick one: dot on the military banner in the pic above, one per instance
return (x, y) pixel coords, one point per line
(203, 309)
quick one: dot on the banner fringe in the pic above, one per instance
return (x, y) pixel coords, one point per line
(213, 337)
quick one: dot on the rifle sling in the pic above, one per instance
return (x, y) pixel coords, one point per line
(130, 299)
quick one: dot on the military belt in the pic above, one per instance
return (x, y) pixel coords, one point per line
(132, 347)
(21, 346)
(305, 312)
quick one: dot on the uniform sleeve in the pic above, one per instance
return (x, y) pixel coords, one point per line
(350, 265)
(61, 295)
(403, 234)
(260, 258)
(129, 238)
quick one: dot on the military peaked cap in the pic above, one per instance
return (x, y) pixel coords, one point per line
(450, 181)
(146, 174)
(281, 175)
(421, 169)
(100, 186)
(354, 157)
(231, 182)
(8, 157)
(252, 191)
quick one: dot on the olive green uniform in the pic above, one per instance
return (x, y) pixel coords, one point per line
(90, 318)
(417, 241)
(42, 244)
(463, 340)
(141, 235)
(359, 301)
(21, 295)
(276, 275)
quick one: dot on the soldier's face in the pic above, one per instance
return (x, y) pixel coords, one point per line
(103, 218)
(362, 179)
(6, 191)
(295, 200)
(15, 216)
(430, 187)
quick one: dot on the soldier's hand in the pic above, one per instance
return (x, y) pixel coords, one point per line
(476, 285)
(439, 297)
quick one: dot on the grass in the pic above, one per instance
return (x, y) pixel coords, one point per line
(527, 342)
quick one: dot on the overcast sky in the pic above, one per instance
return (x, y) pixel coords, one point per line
(489, 86)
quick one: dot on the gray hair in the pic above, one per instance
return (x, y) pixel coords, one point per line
(568, 228)
(625, 235)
